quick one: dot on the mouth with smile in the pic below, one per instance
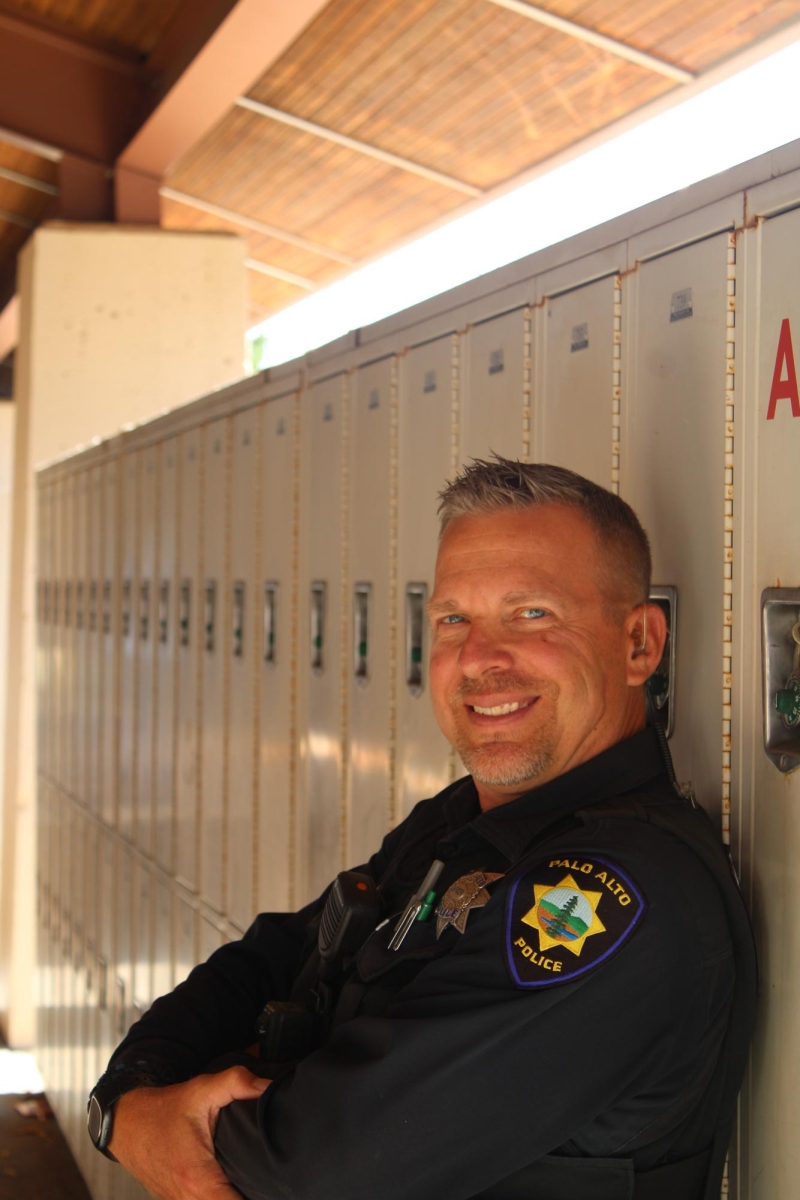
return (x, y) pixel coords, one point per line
(496, 711)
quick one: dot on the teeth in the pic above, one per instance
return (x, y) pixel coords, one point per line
(501, 710)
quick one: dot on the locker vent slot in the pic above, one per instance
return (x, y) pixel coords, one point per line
(67, 603)
(211, 614)
(318, 590)
(185, 610)
(238, 619)
(144, 610)
(126, 608)
(362, 613)
(269, 619)
(79, 604)
(163, 612)
(416, 597)
(93, 606)
(107, 606)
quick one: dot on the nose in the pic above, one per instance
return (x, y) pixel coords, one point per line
(483, 651)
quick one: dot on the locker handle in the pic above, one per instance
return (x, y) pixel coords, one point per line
(107, 606)
(163, 612)
(318, 590)
(93, 606)
(56, 590)
(79, 604)
(238, 619)
(122, 1021)
(362, 606)
(144, 610)
(67, 603)
(91, 960)
(211, 612)
(102, 983)
(46, 602)
(186, 598)
(269, 621)
(416, 597)
(126, 607)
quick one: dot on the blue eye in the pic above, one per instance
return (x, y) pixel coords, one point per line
(533, 612)
(452, 619)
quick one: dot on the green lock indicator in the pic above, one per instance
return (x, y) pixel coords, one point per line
(427, 906)
(787, 703)
(416, 654)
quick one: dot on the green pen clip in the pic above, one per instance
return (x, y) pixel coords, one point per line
(427, 906)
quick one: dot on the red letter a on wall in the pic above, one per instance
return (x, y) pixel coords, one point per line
(784, 389)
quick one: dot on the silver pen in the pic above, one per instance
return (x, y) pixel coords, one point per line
(415, 904)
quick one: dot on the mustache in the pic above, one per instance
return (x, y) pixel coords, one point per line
(511, 681)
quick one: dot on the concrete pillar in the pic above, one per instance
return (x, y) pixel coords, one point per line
(116, 324)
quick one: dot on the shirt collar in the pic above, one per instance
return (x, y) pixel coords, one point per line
(512, 827)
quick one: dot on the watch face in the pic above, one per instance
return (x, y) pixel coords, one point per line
(95, 1121)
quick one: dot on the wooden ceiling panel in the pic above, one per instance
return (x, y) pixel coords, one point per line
(132, 24)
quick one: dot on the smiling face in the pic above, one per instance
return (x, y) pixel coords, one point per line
(536, 665)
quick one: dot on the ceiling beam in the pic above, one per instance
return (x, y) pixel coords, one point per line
(252, 35)
(70, 96)
(341, 139)
(236, 218)
(16, 219)
(603, 42)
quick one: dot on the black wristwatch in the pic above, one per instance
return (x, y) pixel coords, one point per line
(105, 1094)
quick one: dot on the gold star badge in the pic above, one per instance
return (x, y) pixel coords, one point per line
(564, 915)
(461, 897)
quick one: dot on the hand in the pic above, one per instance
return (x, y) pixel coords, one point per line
(165, 1136)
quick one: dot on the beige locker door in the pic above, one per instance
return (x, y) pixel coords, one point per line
(575, 380)
(186, 952)
(146, 624)
(92, 901)
(70, 692)
(767, 555)
(80, 636)
(241, 643)
(211, 938)
(125, 900)
(44, 959)
(189, 586)
(58, 637)
(672, 473)
(216, 660)
(322, 842)
(105, 933)
(129, 656)
(428, 436)
(110, 638)
(495, 395)
(373, 652)
(94, 645)
(278, 667)
(42, 663)
(144, 925)
(165, 630)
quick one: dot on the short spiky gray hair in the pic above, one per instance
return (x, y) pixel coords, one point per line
(486, 486)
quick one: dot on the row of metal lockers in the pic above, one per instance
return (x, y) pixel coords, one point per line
(232, 653)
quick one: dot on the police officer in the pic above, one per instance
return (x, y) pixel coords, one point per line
(554, 990)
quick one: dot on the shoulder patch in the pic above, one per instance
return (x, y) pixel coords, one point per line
(567, 915)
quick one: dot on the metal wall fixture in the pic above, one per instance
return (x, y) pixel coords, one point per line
(780, 673)
(416, 598)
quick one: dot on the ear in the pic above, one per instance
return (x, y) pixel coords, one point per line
(645, 633)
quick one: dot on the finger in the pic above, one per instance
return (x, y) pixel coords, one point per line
(236, 1083)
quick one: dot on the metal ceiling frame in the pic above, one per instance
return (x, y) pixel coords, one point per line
(236, 218)
(342, 139)
(17, 219)
(255, 264)
(28, 181)
(533, 12)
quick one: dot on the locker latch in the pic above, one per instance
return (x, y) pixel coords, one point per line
(210, 614)
(238, 619)
(416, 598)
(186, 595)
(144, 610)
(163, 612)
(269, 618)
(661, 684)
(318, 627)
(780, 660)
(362, 604)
